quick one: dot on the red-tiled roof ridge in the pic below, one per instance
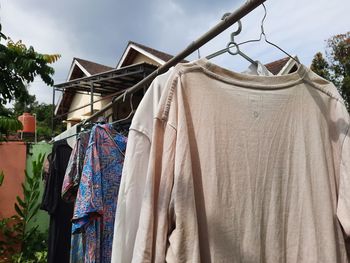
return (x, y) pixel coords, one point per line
(92, 67)
(275, 66)
(159, 54)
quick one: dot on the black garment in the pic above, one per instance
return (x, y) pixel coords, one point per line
(60, 212)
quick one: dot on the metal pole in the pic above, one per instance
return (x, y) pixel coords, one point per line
(53, 112)
(245, 9)
(35, 133)
(91, 98)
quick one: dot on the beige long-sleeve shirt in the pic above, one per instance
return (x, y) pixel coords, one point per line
(246, 169)
(135, 166)
(134, 172)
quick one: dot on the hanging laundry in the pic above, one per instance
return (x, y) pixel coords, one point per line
(236, 167)
(136, 165)
(75, 167)
(60, 212)
(135, 171)
(70, 188)
(96, 201)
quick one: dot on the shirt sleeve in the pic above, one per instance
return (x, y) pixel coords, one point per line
(130, 196)
(88, 204)
(343, 208)
(155, 217)
(48, 196)
(135, 171)
(68, 191)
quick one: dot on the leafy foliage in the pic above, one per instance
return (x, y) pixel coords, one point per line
(17, 235)
(19, 66)
(24, 105)
(336, 66)
(2, 176)
(7, 125)
(320, 66)
(40, 257)
(43, 113)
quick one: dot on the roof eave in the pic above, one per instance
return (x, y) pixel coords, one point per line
(288, 66)
(140, 50)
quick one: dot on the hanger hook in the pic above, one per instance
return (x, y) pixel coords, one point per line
(124, 95)
(263, 21)
(131, 104)
(224, 16)
(239, 30)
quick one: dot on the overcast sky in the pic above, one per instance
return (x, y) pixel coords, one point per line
(99, 30)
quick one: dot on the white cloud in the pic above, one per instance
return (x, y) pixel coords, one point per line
(299, 27)
(45, 35)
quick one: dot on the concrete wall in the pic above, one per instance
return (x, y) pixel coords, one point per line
(15, 157)
(13, 164)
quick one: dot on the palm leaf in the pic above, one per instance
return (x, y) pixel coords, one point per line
(19, 211)
(35, 210)
(21, 202)
(2, 177)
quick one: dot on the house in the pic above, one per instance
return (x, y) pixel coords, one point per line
(90, 86)
(70, 100)
(84, 76)
(282, 66)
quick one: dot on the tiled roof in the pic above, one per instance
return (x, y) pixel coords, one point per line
(95, 68)
(276, 66)
(159, 54)
(92, 67)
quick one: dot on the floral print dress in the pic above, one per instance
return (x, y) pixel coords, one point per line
(96, 201)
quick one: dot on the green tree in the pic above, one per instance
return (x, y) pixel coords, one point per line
(19, 66)
(6, 112)
(26, 105)
(7, 125)
(320, 66)
(336, 66)
(43, 114)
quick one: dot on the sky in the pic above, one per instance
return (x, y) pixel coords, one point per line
(100, 30)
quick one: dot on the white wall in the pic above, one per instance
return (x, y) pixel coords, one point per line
(83, 113)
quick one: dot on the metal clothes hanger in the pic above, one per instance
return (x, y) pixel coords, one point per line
(131, 106)
(263, 34)
(231, 44)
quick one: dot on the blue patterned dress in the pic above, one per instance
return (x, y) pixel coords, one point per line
(96, 202)
(70, 188)
(74, 168)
